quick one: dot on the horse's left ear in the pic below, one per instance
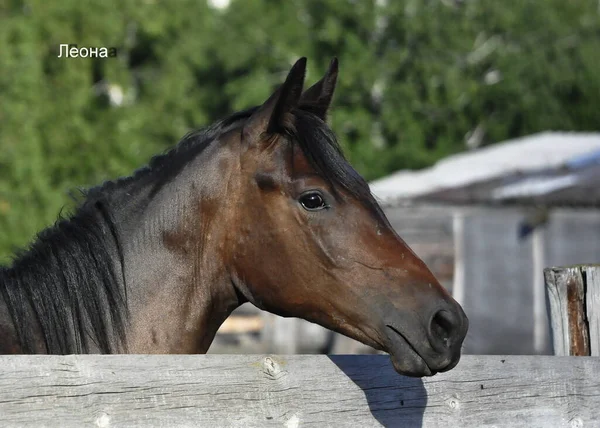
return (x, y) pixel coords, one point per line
(272, 115)
(318, 97)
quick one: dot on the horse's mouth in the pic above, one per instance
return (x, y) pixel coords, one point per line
(405, 358)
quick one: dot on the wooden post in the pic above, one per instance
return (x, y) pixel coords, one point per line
(592, 279)
(540, 317)
(458, 232)
(573, 297)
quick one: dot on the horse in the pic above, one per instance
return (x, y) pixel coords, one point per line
(260, 207)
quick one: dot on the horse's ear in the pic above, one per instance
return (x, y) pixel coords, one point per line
(272, 115)
(318, 97)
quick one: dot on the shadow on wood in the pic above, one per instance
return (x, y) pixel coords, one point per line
(391, 398)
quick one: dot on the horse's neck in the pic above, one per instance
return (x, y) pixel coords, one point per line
(178, 289)
(149, 249)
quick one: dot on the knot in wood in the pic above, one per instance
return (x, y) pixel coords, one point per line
(102, 420)
(272, 369)
(453, 403)
(576, 423)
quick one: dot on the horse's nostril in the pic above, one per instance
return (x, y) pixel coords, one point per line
(442, 326)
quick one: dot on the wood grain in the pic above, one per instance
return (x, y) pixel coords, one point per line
(574, 308)
(295, 391)
(566, 300)
(592, 282)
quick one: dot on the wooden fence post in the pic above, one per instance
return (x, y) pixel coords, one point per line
(573, 297)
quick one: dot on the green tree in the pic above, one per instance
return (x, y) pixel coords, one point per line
(417, 77)
(508, 68)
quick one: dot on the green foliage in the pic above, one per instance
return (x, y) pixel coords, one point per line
(417, 77)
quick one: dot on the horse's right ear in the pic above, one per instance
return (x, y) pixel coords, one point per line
(318, 97)
(272, 116)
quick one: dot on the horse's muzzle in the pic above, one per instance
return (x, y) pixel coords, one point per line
(424, 350)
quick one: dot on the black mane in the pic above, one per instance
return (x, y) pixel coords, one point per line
(316, 140)
(69, 283)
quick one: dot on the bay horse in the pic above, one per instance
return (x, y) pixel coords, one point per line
(259, 207)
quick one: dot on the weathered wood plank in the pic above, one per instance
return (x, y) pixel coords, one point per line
(295, 391)
(566, 301)
(592, 279)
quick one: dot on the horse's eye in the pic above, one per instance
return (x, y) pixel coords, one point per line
(312, 201)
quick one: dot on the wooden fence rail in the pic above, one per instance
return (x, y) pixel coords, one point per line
(573, 296)
(295, 391)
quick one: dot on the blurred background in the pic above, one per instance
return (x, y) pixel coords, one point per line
(476, 122)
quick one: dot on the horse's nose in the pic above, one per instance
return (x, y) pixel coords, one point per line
(447, 327)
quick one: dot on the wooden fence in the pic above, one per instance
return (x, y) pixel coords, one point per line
(295, 391)
(322, 391)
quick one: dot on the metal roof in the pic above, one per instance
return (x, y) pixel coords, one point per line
(546, 168)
